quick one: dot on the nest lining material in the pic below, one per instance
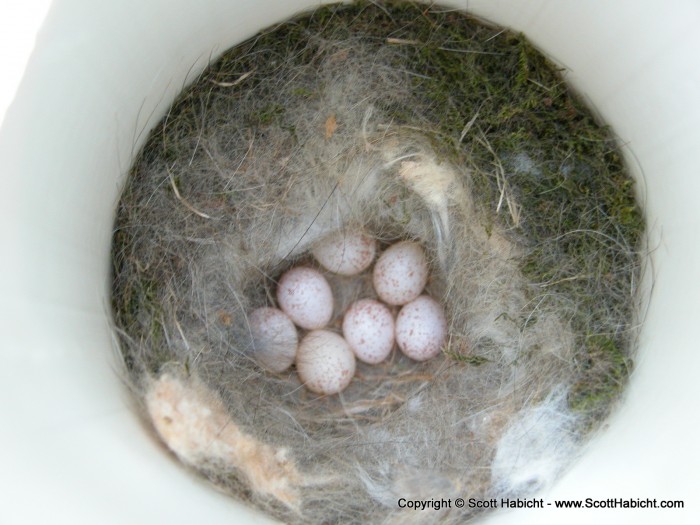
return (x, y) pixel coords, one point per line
(411, 122)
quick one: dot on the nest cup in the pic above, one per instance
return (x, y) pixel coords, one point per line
(71, 218)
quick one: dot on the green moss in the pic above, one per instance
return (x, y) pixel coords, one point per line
(604, 374)
(473, 360)
(267, 115)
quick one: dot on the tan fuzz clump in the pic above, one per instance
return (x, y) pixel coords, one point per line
(193, 422)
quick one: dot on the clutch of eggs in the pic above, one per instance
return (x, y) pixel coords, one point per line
(325, 360)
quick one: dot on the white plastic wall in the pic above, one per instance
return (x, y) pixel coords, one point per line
(101, 73)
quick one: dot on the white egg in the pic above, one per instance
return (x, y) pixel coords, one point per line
(325, 362)
(346, 252)
(401, 273)
(275, 338)
(421, 328)
(368, 327)
(306, 297)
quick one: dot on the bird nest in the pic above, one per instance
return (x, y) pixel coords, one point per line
(410, 122)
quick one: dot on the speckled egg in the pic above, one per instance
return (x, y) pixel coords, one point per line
(421, 328)
(401, 273)
(325, 362)
(306, 297)
(368, 327)
(275, 338)
(346, 252)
